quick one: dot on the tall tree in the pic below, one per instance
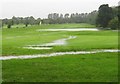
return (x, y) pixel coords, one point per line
(31, 20)
(26, 21)
(105, 14)
(10, 23)
(1, 23)
(118, 13)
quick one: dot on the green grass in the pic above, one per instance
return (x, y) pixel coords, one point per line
(102, 67)
(15, 39)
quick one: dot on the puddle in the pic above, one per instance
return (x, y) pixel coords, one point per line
(50, 45)
(15, 37)
(71, 29)
(55, 54)
(38, 48)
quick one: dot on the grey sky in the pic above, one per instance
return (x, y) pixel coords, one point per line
(41, 8)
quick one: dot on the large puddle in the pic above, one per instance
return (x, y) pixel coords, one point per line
(56, 54)
(50, 45)
(71, 29)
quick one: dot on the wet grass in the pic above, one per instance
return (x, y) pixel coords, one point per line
(14, 39)
(101, 67)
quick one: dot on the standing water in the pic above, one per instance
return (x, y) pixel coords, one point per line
(50, 45)
(71, 29)
(56, 54)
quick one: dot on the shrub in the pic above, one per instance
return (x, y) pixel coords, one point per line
(113, 24)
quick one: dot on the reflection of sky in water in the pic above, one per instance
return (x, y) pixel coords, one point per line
(50, 45)
(71, 29)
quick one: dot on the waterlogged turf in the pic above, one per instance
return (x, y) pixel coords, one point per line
(15, 39)
(101, 67)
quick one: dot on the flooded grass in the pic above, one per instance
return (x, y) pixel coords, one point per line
(78, 61)
(56, 54)
(50, 45)
(86, 40)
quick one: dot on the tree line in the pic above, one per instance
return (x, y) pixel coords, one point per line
(105, 17)
(53, 18)
(56, 18)
(20, 20)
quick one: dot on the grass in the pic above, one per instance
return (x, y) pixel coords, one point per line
(15, 39)
(100, 67)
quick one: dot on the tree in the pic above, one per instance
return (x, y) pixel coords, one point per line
(105, 14)
(31, 20)
(118, 13)
(5, 21)
(113, 24)
(119, 16)
(10, 23)
(66, 15)
(38, 21)
(26, 21)
(61, 16)
(15, 20)
(1, 23)
(91, 17)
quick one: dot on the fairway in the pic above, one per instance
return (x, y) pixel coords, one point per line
(69, 68)
(94, 67)
(15, 39)
(59, 41)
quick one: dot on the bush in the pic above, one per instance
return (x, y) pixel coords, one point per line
(113, 24)
(9, 26)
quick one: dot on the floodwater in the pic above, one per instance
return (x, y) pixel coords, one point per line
(71, 29)
(15, 37)
(50, 45)
(38, 48)
(57, 54)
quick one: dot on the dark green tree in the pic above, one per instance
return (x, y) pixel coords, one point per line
(118, 13)
(118, 16)
(26, 21)
(113, 24)
(105, 14)
(31, 20)
(1, 23)
(10, 23)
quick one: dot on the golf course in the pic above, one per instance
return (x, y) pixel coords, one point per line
(59, 53)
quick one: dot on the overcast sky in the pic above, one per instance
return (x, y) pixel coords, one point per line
(41, 8)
